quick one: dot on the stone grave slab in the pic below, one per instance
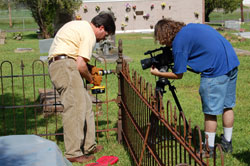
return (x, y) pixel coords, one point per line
(2, 37)
(241, 52)
(243, 34)
(23, 50)
(48, 96)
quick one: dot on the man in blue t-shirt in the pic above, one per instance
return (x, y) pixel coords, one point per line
(207, 52)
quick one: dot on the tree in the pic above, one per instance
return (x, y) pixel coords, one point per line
(47, 13)
(10, 18)
(226, 5)
(241, 11)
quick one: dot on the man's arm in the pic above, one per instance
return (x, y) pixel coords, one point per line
(170, 75)
(83, 68)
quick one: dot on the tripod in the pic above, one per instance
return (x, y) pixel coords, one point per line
(160, 90)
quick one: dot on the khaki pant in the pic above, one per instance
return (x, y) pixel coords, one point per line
(77, 108)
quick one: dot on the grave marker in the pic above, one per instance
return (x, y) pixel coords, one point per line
(2, 37)
(45, 44)
(233, 25)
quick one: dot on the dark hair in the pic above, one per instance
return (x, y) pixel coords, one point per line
(166, 30)
(106, 20)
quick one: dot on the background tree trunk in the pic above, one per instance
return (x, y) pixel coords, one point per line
(10, 18)
(241, 11)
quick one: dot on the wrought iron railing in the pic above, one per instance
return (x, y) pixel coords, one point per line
(29, 103)
(154, 134)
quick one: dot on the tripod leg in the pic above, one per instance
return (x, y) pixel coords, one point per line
(172, 89)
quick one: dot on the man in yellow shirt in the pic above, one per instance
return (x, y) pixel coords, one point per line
(69, 54)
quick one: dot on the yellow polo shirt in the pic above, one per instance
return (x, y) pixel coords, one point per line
(75, 38)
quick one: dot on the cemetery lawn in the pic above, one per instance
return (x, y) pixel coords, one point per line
(134, 46)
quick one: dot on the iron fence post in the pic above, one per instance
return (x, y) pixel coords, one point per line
(118, 70)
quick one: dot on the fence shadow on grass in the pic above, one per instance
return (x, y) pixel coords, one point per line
(243, 156)
(18, 118)
(21, 109)
(30, 36)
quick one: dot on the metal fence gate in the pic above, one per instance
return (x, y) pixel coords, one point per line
(21, 111)
(29, 104)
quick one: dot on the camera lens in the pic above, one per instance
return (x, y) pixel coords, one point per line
(146, 63)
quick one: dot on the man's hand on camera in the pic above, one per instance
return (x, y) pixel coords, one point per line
(155, 71)
(170, 75)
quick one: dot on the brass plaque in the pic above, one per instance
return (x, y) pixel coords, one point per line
(139, 13)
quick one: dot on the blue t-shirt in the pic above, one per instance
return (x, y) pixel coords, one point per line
(203, 49)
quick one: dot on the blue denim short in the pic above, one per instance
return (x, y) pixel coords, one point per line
(218, 93)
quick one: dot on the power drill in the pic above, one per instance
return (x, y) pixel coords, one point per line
(97, 74)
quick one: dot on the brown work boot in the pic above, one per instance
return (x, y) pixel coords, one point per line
(97, 149)
(82, 159)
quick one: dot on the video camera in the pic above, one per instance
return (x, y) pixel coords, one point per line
(163, 62)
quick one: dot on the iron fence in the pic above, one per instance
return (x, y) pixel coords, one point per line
(20, 106)
(31, 105)
(154, 134)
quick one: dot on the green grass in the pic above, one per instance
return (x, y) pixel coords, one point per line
(219, 15)
(187, 92)
(21, 20)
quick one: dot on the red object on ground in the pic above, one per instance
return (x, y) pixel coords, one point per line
(105, 161)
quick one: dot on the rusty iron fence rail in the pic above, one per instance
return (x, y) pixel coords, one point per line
(154, 134)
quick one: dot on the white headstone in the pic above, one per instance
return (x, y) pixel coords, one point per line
(45, 44)
(233, 25)
(43, 58)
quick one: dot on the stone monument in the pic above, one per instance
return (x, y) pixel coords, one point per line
(2, 37)
(106, 51)
(44, 46)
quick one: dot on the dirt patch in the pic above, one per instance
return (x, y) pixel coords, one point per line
(147, 37)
